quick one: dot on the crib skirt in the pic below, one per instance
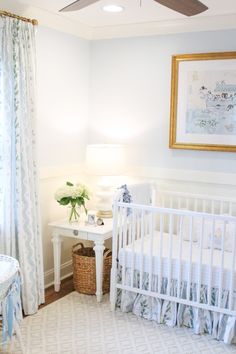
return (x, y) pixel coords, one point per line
(219, 326)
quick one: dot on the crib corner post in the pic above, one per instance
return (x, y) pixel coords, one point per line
(113, 290)
(113, 277)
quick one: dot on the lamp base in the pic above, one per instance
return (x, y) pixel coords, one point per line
(104, 214)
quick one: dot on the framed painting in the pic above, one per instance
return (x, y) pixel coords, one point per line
(203, 102)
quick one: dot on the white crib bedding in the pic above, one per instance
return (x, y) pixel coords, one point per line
(139, 262)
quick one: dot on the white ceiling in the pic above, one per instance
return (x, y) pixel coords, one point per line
(149, 11)
(148, 17)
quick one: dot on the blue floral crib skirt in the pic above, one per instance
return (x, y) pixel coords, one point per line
(221, 327)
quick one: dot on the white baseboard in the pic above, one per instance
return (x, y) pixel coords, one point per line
(66, 271)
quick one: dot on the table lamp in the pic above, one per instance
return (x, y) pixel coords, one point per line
(105, 160)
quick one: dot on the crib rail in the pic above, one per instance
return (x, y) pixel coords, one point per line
(177, 255)
(197, 202)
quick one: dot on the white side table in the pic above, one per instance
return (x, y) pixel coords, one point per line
(81, 231)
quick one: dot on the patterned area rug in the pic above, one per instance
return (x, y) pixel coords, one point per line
(77, 324)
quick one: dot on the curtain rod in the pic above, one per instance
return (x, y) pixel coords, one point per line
(9, 14)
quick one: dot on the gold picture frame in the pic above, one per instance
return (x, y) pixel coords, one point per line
(203, 117)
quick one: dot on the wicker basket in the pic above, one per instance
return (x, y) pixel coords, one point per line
(84, 269)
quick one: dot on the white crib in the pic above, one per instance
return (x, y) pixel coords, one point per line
(180, 252)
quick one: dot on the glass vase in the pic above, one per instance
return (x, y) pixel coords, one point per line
(74, 214)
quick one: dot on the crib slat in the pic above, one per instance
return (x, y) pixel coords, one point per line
(145, 224)
(132, 230)
(200, 261)
(232, 270)
(122, 217)
(230, 208)
(150, 257)
(212, 206)
(187, 203)
(160, 255)
(221, 265)
(195, 204)
(204, 206)
(171, 201)
(125, 233)
(160, 200)
(137, 235)
(211, 263)
(221, 207)
(163, 201)
(142, 251)
(129, 233)
(170, 252)
(190, 257)
(180, 253)
(179, 203)
(124, 242)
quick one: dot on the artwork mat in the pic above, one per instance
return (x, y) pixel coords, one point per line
(181, 65)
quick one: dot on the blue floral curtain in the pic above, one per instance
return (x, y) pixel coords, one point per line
(20, 234)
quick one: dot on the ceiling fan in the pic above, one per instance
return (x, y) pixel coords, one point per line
(185, 7)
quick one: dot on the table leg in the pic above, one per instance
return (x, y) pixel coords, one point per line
(56, 240)
(99, 248)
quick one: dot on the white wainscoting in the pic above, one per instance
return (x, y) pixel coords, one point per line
(51, 178)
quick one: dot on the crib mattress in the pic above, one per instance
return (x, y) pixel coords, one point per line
(141, 261)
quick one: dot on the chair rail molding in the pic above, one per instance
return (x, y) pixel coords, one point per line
(183, 175)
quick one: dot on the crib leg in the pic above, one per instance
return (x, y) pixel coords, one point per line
(113, 290)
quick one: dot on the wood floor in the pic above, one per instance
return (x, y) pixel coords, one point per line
(66, 288)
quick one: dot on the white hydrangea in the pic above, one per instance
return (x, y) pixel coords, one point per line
(73, 191)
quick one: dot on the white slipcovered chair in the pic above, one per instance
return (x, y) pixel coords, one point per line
(10, 300)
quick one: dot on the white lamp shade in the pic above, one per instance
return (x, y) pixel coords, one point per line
(105, 159)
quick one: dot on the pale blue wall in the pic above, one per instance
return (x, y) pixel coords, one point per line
(130, 91)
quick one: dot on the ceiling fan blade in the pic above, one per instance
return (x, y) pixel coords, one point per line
(77, 5)
(185, 7)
